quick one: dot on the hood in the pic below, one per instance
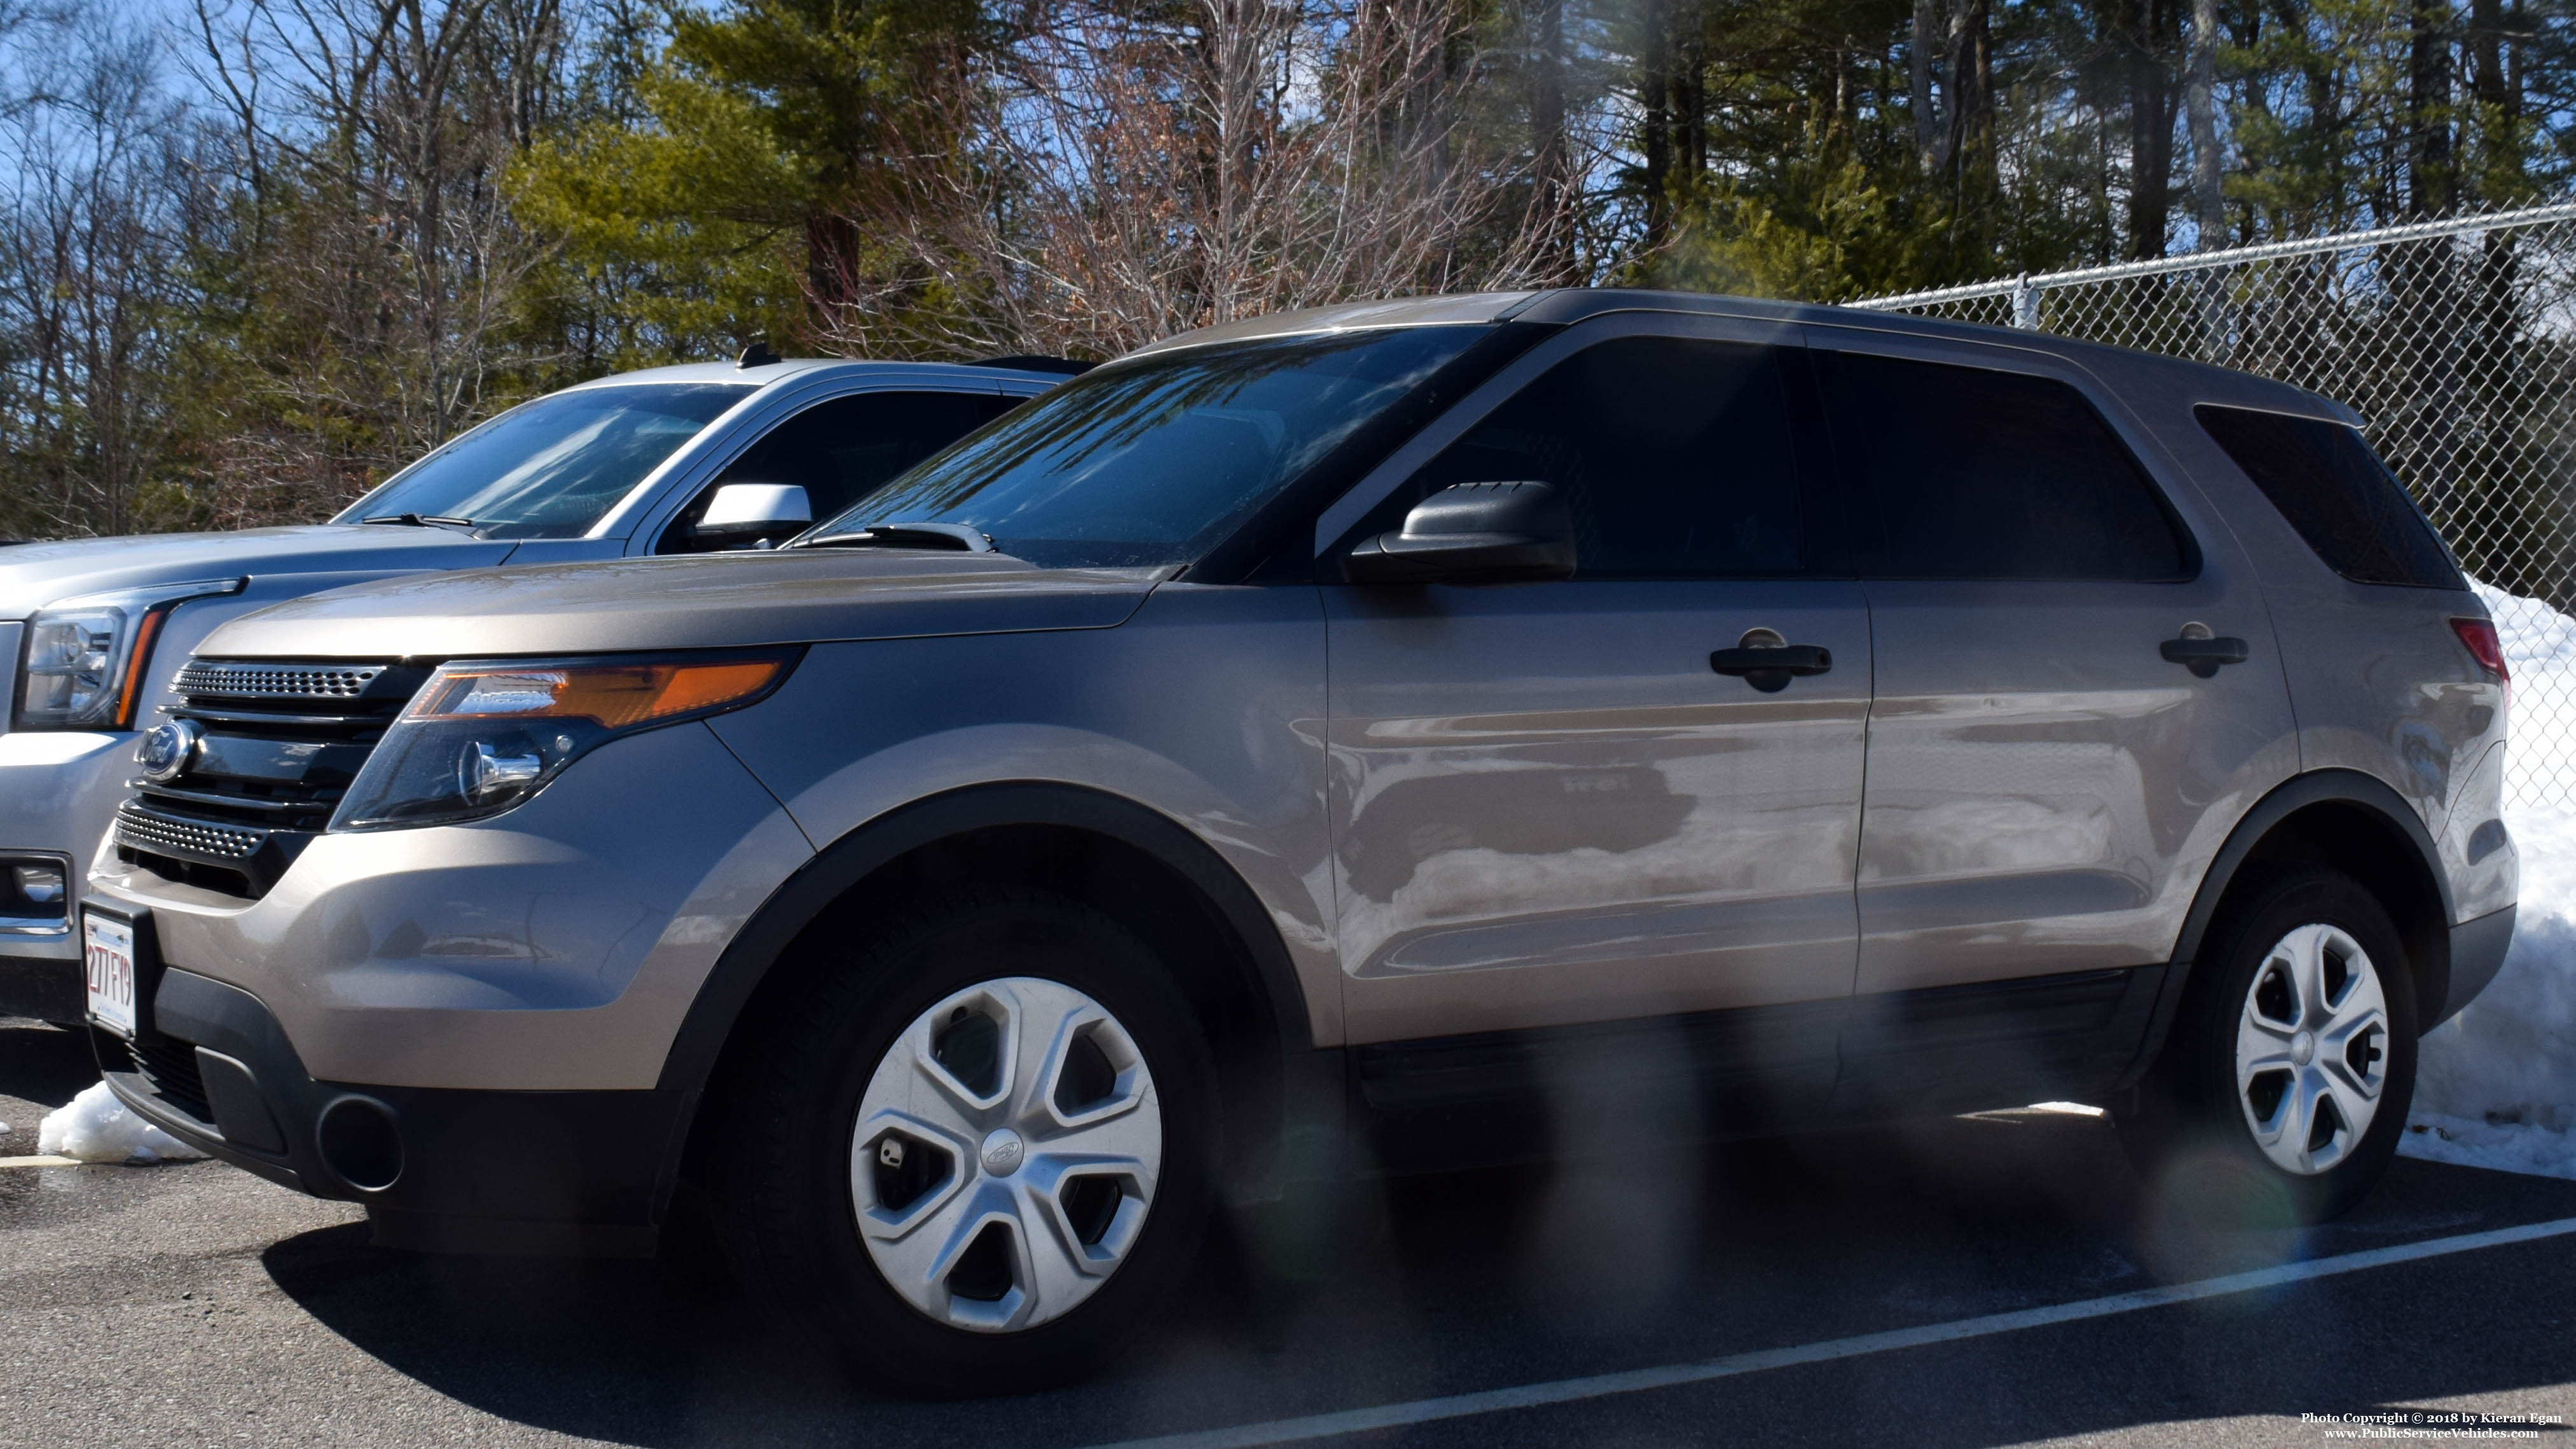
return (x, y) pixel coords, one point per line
(705, 601)
(36, 574)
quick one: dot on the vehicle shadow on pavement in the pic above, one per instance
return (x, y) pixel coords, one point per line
(1378, 1292)
(41, 1068)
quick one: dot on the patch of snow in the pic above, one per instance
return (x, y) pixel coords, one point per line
(95, 1127)
(2496, 1085)
(2508, 1146)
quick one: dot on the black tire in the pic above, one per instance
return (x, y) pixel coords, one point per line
(2189, 1122)
(785, 1196)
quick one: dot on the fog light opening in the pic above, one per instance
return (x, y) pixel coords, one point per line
(33, 889)
(359, 1141)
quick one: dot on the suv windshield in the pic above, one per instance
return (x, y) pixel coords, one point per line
(553, 467)
(1157, 461)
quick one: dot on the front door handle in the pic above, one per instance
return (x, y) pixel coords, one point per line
(1770, 668)
(2203, 656)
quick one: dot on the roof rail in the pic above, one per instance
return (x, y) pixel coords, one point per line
(1038, 362)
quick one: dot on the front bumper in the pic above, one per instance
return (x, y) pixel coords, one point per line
(462, 1027)
(465, 1171)
(40, 983)
(57, 792)
(556, 947)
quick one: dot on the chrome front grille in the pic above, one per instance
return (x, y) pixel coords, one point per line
(280, 743)
(278, 681)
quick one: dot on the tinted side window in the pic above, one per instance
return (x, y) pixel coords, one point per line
(1977, 474)
(2337, 494)
(1674, 455)
(842, 450)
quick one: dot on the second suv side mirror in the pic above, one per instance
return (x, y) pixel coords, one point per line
(1473, 533)
(753, 510)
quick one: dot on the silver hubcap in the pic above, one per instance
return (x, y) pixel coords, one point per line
(2312, 1049)
(1006, 1154)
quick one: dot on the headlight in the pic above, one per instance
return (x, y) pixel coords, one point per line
(85, 660)
(481, 737)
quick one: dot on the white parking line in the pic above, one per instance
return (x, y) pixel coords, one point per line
(45, 1161)
(1564, 1391)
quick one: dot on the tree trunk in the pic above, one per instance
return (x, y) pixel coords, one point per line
(2150, 127)
(1690, 90)
(2502, 174)
(2432, 182)
(1923, 51)
(2200, 100)
(2424, 290)
(1552, 166)
(1970, 77)
(1654, 99)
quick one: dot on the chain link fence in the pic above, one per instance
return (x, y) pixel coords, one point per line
(2456, 343)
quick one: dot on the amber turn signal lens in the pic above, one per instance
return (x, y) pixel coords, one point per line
(615, 695)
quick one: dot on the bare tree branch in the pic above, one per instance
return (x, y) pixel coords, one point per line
(1131, 177)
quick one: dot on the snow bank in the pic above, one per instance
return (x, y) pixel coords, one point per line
(2496, 1086)
(95, 1127)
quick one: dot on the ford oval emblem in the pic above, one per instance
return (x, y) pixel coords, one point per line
(1003, 1152)
(168, 749)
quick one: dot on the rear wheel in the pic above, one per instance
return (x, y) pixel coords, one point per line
(2293, 1057)
(979, 1160)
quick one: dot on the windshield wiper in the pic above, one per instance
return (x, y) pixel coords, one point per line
(422, 520)
(955, 537)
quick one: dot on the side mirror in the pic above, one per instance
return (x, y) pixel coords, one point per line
(753, 510)
(1473, 533)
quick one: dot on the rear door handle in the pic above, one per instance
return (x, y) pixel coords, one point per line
(1770, 669)
(2203, 656)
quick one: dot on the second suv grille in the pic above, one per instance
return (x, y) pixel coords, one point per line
(281, 743)
(144, 828)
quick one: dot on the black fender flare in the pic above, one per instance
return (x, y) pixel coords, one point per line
(2299, 792)
(804, 896)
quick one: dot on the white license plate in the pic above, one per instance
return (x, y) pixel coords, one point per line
(107, 948)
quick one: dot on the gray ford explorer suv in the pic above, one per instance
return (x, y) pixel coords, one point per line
(93, 630)
(1424, 732)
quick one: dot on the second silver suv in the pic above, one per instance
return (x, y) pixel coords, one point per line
(1418, 733)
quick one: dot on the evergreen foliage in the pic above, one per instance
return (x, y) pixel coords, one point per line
(253, 261)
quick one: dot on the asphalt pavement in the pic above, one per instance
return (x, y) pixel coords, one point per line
(194, 1304)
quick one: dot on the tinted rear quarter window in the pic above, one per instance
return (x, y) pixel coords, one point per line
(1979, 474)
(2334, 490)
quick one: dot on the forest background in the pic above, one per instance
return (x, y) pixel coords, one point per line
(256, 254)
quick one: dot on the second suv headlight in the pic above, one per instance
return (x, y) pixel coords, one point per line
(84, 664)
(481, 737)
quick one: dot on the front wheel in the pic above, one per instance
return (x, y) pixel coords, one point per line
(979, 1151)
(2293, 1056)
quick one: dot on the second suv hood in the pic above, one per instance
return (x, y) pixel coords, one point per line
(36, 574)
(708, 601)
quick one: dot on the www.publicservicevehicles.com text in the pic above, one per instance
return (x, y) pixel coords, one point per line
(2432, 1424)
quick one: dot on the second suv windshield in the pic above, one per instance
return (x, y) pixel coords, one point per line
(553, 467)
(1157, 461)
